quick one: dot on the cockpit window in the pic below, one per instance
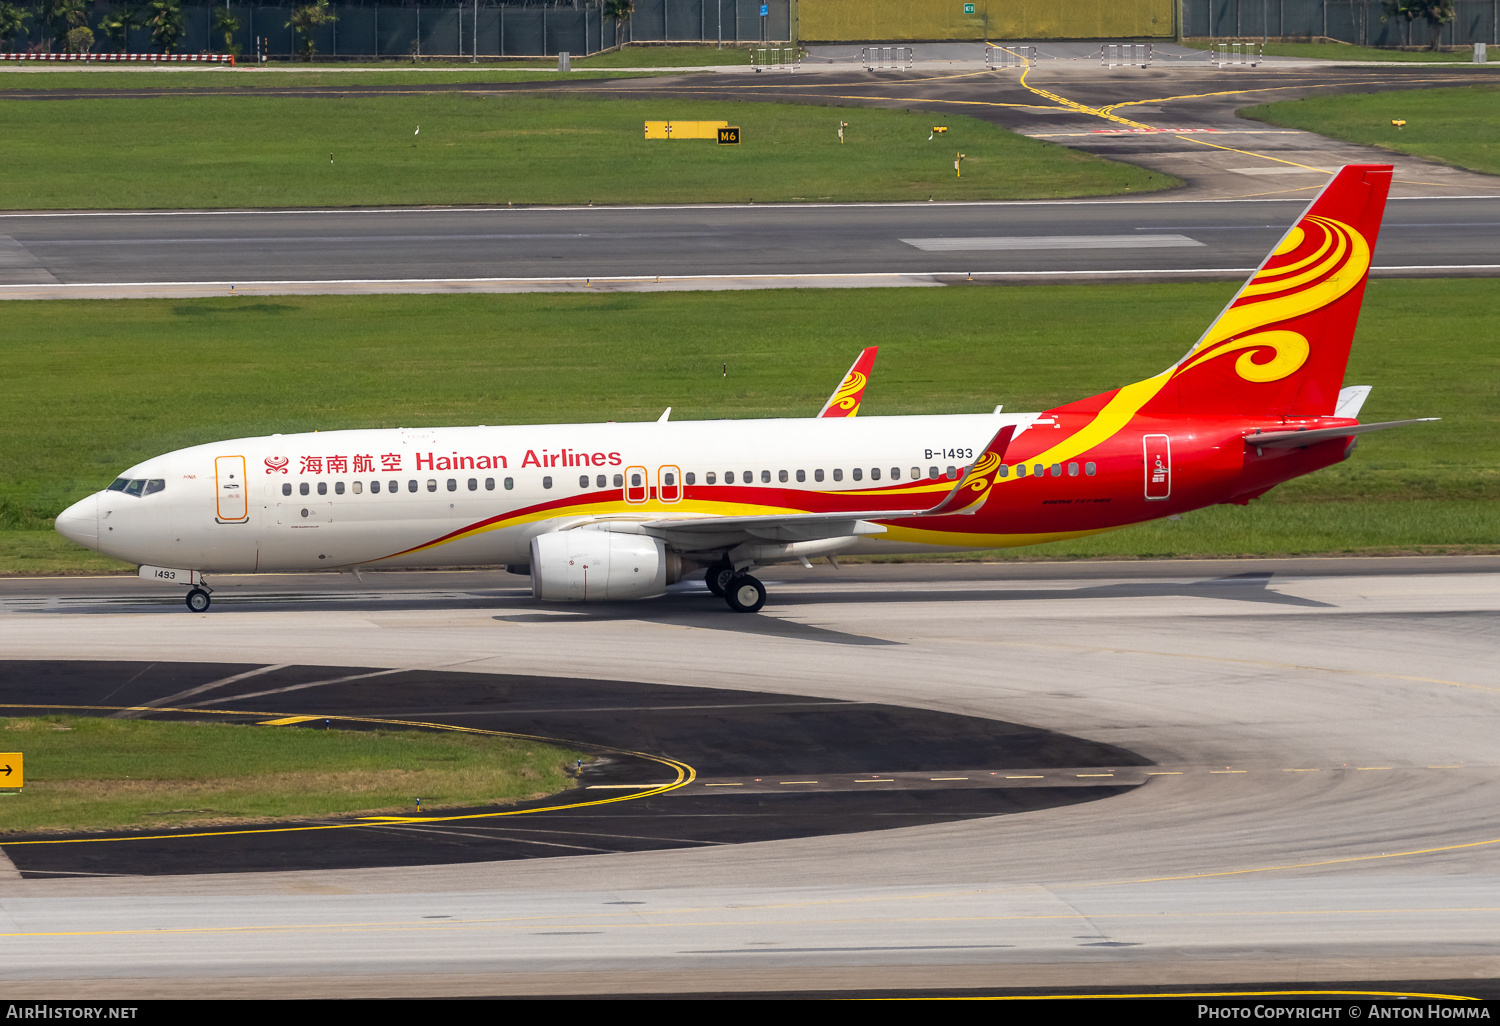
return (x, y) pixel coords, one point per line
(154, 485)
(134, 487)
(119, 485)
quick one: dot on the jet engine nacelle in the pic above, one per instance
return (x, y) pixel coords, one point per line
(589, 565)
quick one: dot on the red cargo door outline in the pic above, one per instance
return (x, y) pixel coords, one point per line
(1158, 450)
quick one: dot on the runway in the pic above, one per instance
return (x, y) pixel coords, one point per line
(1329, 814)
(657, 248)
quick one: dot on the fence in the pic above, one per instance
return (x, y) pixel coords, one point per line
(886, 58)
(1226, 54)
(779, 58)
(1008, 55)
(456, 31)
(1125, 55)
(1349, 21)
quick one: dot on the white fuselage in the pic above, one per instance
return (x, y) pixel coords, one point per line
(476, 496)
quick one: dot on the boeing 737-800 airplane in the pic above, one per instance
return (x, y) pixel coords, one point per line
(619, 511)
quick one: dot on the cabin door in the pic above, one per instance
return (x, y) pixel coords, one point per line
(233, 504)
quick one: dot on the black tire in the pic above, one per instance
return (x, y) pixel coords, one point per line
(745, 594)
(716, 577)
(198, 600)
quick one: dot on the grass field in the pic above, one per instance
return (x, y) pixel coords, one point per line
(1349, 52)
(84, 395)
(85, 773)
(1459, 126)
(513, 147)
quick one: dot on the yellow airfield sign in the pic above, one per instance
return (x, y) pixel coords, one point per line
(10, 770)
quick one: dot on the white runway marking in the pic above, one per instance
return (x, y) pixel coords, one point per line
(1032, 242)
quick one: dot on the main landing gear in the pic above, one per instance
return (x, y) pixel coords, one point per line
(742, 593)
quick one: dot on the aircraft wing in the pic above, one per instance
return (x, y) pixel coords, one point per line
(846, 398)
(1297, 439)
(966, 497)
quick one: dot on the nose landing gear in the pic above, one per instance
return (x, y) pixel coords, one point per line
(197, 600)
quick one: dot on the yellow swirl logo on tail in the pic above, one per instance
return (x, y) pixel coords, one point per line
(848, 395)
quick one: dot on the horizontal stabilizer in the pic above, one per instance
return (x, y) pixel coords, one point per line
(1297, 439)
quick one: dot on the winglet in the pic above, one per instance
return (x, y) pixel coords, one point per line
(846, 398)
(974, 487)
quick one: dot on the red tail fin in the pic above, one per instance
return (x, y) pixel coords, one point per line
(1281, 345)
(846, 398)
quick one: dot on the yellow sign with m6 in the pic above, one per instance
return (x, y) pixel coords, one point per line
(684, 129)
(729, 135)
(11, 774)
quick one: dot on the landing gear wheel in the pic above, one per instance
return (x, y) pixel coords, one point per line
(745, 594)
(197, 600)
(718, 577)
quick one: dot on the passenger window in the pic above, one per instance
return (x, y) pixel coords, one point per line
(1038, 470)
(547, 482)
(765, 477)
(322, 487)
(838, 475)
(338, 488)
(932, 473)
(619, 481)
(359, 487)
(635, 480)
(689, 478)
(411, 485)
(669, 479)
(601, 481)
(895, 473)
(510, 483)
(1057, 470)
(583, 480)
(302, 488)
(859, 474)
(1020, 470)
(155, 485)
(473, 484)
(395, 486)
(452, 484)
(952, 473)
(489, 484)
(710, 478)
(120, 483)
(916, 473)
(801, 476)
(432, 484)
(1088, 468)
(1004, 470)
(818, 476)
(874, 473)
(749, 476)
(374, 487)
(781, 476)
(1072, 470)
(729, 477)
(286, 489)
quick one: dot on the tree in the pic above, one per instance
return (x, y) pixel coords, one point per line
(58, 17)
(618, 11)
(1436, 13)
(228, 24)
(305, 20)
(12, 23)
(118, 23)
(80, 39)
(166, 24)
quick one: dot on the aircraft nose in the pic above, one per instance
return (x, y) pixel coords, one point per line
(80, 522)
